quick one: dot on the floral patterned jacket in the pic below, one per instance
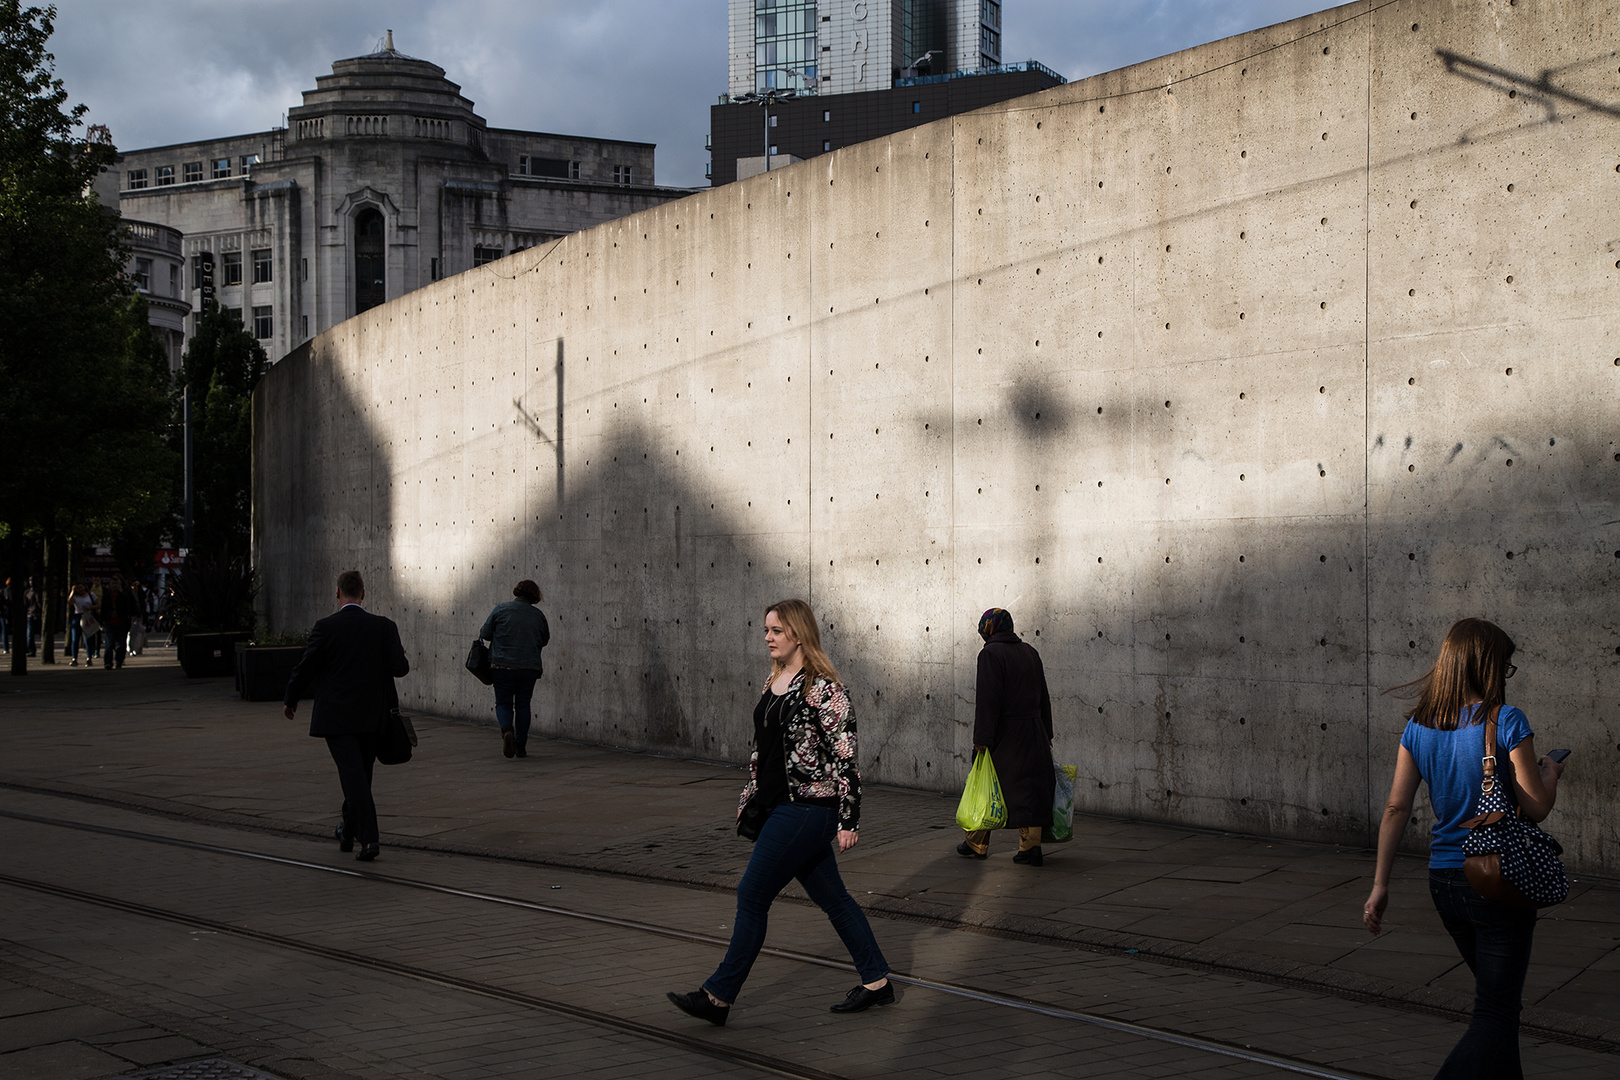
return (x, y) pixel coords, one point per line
(818, 742)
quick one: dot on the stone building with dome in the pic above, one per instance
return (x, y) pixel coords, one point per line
(384, 180)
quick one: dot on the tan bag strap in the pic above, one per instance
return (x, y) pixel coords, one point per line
(1489, 760)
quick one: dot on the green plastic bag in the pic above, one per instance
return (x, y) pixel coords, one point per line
(1062, 828)
(982, 806)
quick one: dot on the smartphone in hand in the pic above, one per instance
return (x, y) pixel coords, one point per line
(1558, 755)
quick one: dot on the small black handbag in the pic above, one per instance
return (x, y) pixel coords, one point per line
(752, 818)
(478, 662)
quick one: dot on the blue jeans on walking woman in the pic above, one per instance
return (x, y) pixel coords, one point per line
(1495, 944)
(514, 691)
(795, 842)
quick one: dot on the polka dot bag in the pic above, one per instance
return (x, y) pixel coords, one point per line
(1507, 858)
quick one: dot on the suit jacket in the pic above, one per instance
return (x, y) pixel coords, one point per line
(1013, 717)
(349, 669)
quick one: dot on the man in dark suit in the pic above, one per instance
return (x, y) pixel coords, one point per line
(349, 668)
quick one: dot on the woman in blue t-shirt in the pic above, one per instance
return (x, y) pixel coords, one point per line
(1443, 745)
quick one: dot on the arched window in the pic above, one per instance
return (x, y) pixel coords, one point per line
(370, 275)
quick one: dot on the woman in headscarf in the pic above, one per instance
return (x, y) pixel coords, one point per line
(1012, 721)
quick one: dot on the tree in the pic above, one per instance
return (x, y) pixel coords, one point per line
(222, 365)
(81, 446)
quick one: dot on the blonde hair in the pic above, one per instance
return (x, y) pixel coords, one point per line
(1473, 663)
(800, 621)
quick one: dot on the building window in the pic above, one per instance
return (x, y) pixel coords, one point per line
(770, 121)
(174, 280)
(773, 149)
(304, 269)
(482, 255)
(573, 170)
(221, 169)
(262, 328)
(370, 266)
(826, 116)
(261, 265)
(826, 144)
(916, 106)
(990, 14)
(433, 269)
(624, 174)
(165, 175)
(192, 172)
(135, 178)
(785, 45)
(523, 164)
(235, 313)
(143, 275)
(233, 268)
(305, 325)
(248, 161)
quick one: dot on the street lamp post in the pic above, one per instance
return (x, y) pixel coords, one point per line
(765, 99)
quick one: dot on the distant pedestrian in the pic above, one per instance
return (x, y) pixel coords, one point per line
(804, 783)
(78, 605)
(1442, 745)
(117, 616)
(349, 667)
(516, 631)
(1012, 721)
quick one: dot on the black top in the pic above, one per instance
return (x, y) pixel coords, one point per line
(771, 771)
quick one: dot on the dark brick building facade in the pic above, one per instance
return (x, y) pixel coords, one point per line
(811, 125)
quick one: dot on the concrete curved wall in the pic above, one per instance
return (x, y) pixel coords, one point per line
(1237, 376)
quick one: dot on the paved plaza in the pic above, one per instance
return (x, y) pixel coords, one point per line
(173, 898)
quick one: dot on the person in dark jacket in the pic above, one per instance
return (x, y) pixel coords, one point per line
(117, 616)
(516, 631)
(1012, 720)
(349, 667)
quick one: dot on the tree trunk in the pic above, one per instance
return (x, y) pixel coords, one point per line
(17, 607)
(49, 597)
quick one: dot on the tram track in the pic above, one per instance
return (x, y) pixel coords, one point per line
(735, 1055)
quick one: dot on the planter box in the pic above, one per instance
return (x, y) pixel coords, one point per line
(207, 656)
(262, 671)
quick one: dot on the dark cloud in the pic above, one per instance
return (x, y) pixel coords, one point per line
(166, 71)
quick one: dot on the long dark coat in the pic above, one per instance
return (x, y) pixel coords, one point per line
(1013, 717)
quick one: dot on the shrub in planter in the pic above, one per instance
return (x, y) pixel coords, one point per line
(213, 610)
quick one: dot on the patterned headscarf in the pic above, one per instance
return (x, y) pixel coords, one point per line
(995, 621)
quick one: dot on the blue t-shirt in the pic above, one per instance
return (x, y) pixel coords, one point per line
(1450, 761)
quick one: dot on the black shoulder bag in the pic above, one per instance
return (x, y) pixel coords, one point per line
(1507, 858)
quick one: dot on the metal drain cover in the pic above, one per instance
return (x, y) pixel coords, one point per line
(202, 1069)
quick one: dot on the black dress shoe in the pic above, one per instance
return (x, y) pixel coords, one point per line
(699, 1004)
(508, 744)
(860, 999)
(1032, 857)
(345, 838)
(367, 853)
(966, 852)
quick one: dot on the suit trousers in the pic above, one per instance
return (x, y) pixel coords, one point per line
(355, 755)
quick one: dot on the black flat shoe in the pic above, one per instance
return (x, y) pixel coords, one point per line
(966, 852)
(345, 838)
(508, 744)
(699, 1004)
(522, 750)
(368, 852)
(860, 999)
(1032, 857)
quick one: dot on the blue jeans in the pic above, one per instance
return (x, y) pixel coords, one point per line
(796, 842)
(1495, 944)
(514, 690)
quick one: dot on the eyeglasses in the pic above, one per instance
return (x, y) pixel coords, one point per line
(1510, 670)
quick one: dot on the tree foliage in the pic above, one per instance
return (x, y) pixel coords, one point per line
(222, 365)
(82, 381)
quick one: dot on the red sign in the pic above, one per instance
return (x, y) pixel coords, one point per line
(167, 557)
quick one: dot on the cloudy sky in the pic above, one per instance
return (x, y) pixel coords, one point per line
(166, 71)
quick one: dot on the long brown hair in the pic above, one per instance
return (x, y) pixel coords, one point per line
(801, 623)
(1473, 665)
